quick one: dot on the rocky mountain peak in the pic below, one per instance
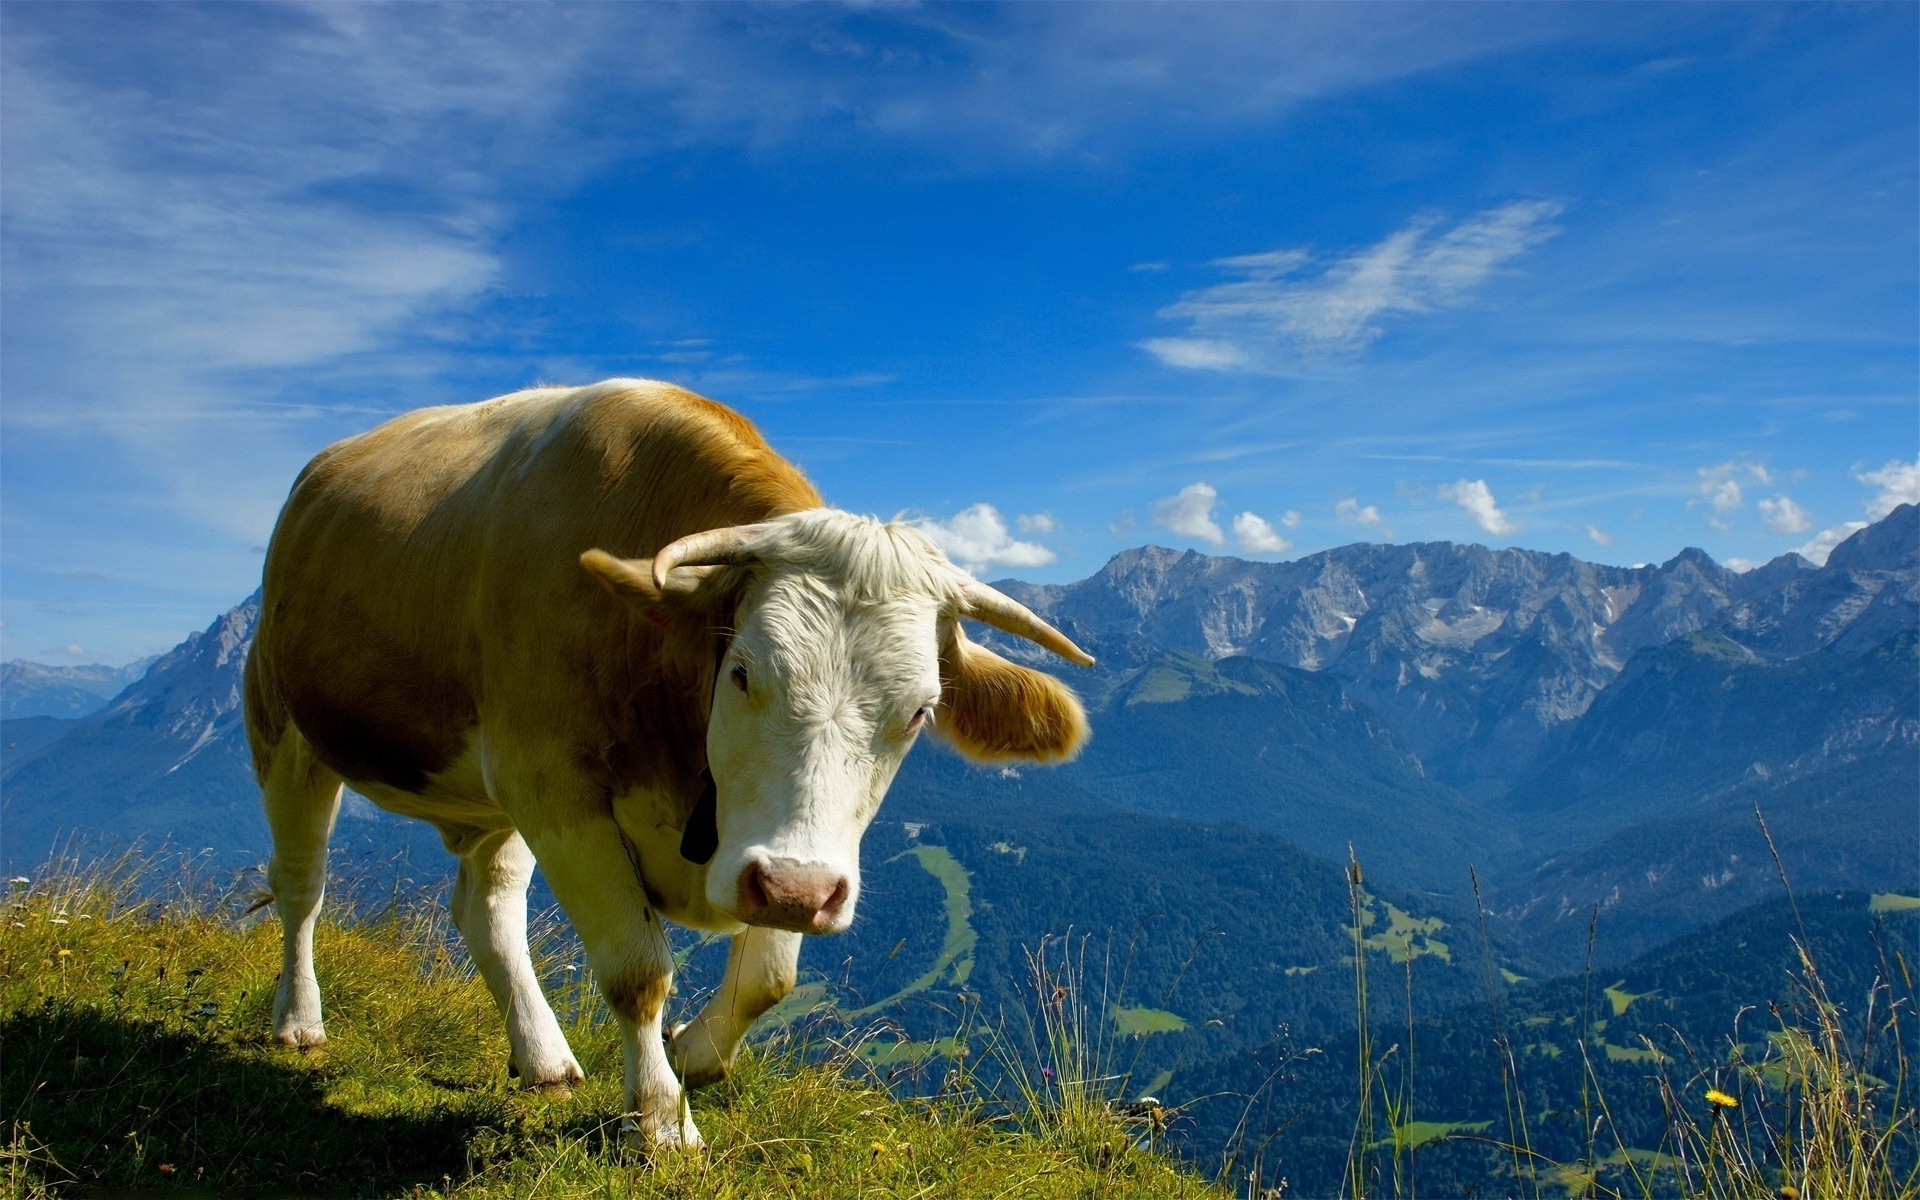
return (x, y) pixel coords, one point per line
(1889, 544)
(197, 685)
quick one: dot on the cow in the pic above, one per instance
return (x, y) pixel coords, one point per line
(609, 631)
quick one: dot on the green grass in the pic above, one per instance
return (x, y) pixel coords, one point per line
(1413, 1134)
(1406, 936)
(137, 1060)
(1622, 999)
(1137, 1021)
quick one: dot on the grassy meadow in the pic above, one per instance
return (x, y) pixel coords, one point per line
(137, 1061)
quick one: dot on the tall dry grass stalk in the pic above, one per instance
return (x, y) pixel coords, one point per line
(1808, 1114)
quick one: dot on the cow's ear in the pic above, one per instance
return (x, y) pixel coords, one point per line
(631, 579)
(993, 710)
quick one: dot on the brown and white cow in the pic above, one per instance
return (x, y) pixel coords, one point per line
(609, 631)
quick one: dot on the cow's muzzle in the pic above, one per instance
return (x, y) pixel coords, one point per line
(785, 893)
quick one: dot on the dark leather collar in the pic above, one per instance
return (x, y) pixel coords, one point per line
(701, 838)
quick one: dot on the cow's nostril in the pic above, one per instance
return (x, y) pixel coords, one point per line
(753, 892)
(835, 901)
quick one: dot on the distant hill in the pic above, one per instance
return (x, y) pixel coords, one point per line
(1583, 1045)
(167, 763)
(31, 689)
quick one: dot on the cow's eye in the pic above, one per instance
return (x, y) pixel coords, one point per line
(739, 676)
(920, 718)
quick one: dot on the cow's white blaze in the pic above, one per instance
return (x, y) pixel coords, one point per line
(831, 673)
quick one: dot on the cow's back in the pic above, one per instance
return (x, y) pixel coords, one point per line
(425, 574)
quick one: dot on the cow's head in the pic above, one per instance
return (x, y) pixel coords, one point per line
(846, 644)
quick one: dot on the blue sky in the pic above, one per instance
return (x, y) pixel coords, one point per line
(1057, 280)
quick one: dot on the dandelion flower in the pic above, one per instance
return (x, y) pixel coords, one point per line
(64, 953)
(1720, 1099)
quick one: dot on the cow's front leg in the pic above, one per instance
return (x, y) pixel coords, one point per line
(585, 860)
(761, 965)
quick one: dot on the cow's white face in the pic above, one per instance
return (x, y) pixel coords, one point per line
(846, 640)
(816, 702)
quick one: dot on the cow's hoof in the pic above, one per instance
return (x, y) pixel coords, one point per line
(556, 1077)
(672, 1136)
(695, 1076)
(693, 1060)
(301, 1037)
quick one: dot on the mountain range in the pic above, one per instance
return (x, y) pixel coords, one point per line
(1431, 705)
(31, 689)
(1541, 765)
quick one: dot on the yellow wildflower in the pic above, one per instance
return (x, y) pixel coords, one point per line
(64, 954)
(1720, 1099)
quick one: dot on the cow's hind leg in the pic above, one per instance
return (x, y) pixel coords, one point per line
(490, 907)
(301, 798)
(761, 965)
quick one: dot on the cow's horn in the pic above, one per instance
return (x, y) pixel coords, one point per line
(712, 547)
(1008, 615)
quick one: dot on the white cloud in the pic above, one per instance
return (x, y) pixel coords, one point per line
(1895, 484)
(1291, 518)
(1899, 483)
(1720, 485)
(1280, 313)
(1782, 515)
(1600, 535)
(1258, 536)
(1198, 354)
(1189, 513)
(977, 538)
(1475, 498)
(1040, 523)
(1816, 551)
(1353, 513)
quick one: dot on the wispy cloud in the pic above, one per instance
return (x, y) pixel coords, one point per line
(1563, 464)
(1599, 536)
(1475, 498)
(977, 538)
(208, 256)
(1189, 513)
(1288, 309)
(1782, 515)
(1352, 512)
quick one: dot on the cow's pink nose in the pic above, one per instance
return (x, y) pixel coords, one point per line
(784, 893)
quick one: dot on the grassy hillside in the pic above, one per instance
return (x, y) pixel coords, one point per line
(1596, 1084)
(136, 1059)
